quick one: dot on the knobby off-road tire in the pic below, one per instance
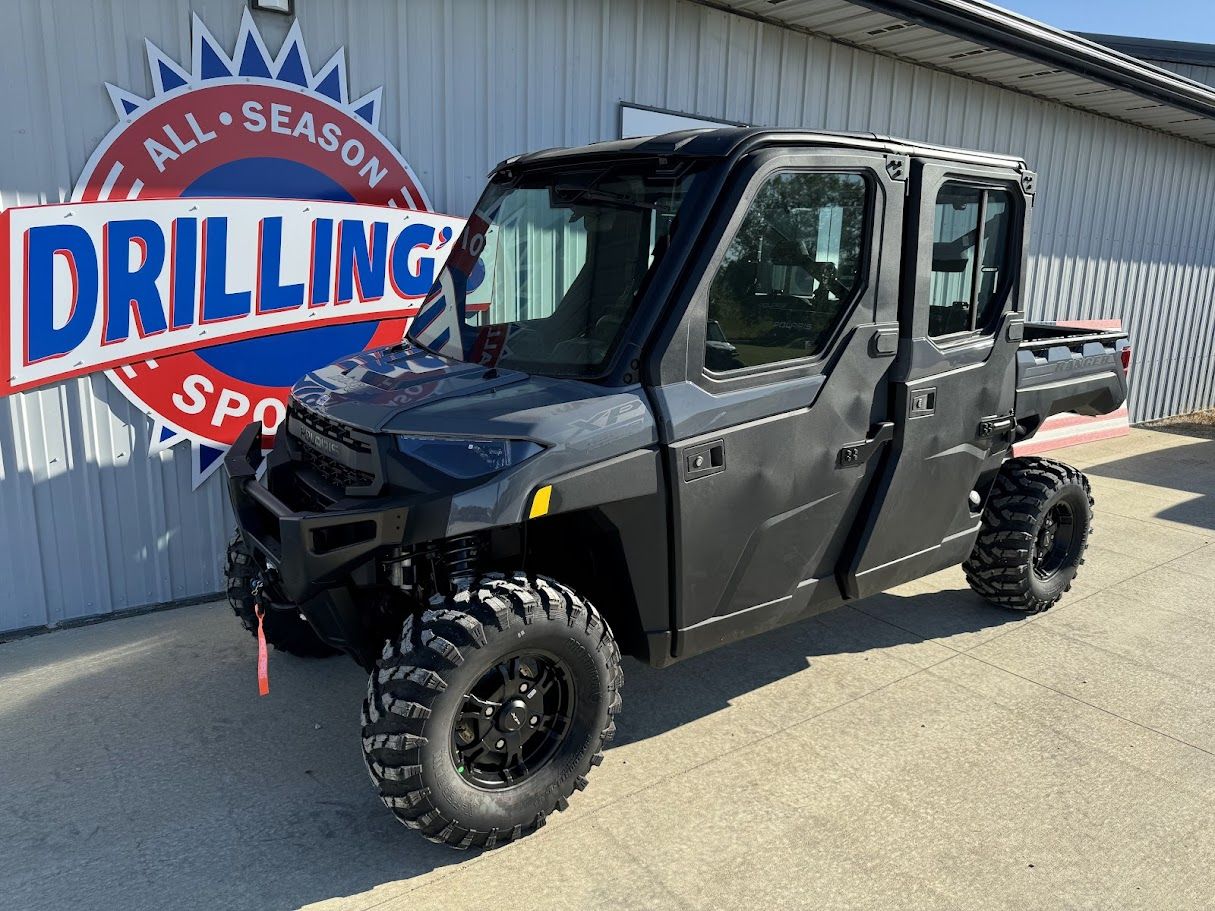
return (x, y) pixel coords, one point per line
(1035, 530)
(286, 630)
(439, 694)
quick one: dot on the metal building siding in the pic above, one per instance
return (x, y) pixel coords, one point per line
(92, 524)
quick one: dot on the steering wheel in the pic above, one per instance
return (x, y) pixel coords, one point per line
(828, 277)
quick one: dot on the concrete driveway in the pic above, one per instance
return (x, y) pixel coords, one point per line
(921, 750)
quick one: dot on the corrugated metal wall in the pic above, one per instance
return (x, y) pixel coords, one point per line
(91, 524)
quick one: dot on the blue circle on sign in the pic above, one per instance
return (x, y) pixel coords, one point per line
(279, 360)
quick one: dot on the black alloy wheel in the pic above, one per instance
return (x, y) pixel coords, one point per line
(1035, 529)
(490, 709)
(513, 720)
(1055, 546)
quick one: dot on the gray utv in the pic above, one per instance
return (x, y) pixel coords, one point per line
(665, 394)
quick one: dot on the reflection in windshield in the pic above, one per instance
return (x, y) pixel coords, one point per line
(550, 267)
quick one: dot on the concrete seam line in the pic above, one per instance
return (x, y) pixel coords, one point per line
(1099, 648)
(1013, 626)
(1059, 608)
(1110, 712)
(1014, 707)
(1186, 554)
(1206, 539)
(673, 775)
(922, 638)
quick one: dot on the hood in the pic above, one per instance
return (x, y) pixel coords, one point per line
(405, 389)
(370, 389)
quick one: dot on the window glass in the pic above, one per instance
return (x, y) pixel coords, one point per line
(549, 270)
(993, 256)
(970, 258)
(790, 273)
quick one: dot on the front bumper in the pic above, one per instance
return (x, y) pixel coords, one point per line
(310, 551)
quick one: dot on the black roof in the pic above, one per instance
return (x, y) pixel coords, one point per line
(1157, 49)
(723, 142)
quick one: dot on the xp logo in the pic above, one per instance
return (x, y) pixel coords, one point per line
(204, 305)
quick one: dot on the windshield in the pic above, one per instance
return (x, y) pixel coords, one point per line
(551, 265)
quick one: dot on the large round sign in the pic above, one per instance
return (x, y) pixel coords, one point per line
(245, 126)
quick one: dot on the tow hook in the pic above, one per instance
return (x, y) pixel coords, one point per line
(256, 586)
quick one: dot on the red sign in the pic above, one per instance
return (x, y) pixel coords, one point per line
(206, 309)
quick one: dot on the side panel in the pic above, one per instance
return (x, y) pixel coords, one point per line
(947, 393)
(756, 545)
(762, 502)
(921, 518)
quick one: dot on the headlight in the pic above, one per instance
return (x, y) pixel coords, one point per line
(467, 458)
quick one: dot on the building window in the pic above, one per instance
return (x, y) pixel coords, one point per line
(791, 272)
(971, 261)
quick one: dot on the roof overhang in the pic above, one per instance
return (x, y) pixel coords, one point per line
(1157, 50)
(983, 42)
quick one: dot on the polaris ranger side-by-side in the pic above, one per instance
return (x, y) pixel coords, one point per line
(710, 383)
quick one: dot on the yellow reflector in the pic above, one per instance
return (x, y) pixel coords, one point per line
(540, 502)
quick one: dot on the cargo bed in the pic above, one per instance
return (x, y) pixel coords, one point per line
(1065, 368)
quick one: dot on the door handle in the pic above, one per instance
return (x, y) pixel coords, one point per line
(704, 459)
(859, 453)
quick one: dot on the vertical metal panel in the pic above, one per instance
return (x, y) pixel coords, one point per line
(89, 523)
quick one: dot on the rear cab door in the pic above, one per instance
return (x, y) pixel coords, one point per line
(778, 405)
(953, 388)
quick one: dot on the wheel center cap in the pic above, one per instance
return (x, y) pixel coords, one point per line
(512, 716)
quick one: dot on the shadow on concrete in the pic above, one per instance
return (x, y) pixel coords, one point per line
(142, 771)
(657, 701)
(1189, 467)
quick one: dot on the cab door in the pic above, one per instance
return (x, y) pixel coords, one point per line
(954, 385)
(776, 429)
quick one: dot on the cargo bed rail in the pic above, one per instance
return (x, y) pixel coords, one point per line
(1064, 368)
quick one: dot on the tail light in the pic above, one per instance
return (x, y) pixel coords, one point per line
(1126, 358)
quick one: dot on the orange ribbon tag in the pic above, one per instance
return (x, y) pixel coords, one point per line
(263, 659)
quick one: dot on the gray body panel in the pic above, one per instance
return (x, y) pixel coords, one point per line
(722, 504)
(1061, 369)
(407, 391)
(756, 544)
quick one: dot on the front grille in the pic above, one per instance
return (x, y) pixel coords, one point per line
(303, 495)
(333, 471)
(334, 430)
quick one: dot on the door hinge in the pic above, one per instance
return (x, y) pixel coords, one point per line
(859, 453)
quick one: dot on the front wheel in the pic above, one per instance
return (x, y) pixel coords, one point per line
(490, 710)
(1034, 534)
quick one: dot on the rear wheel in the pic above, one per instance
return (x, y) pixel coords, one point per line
(490, 710)
(286, 630)
(1035, 531)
